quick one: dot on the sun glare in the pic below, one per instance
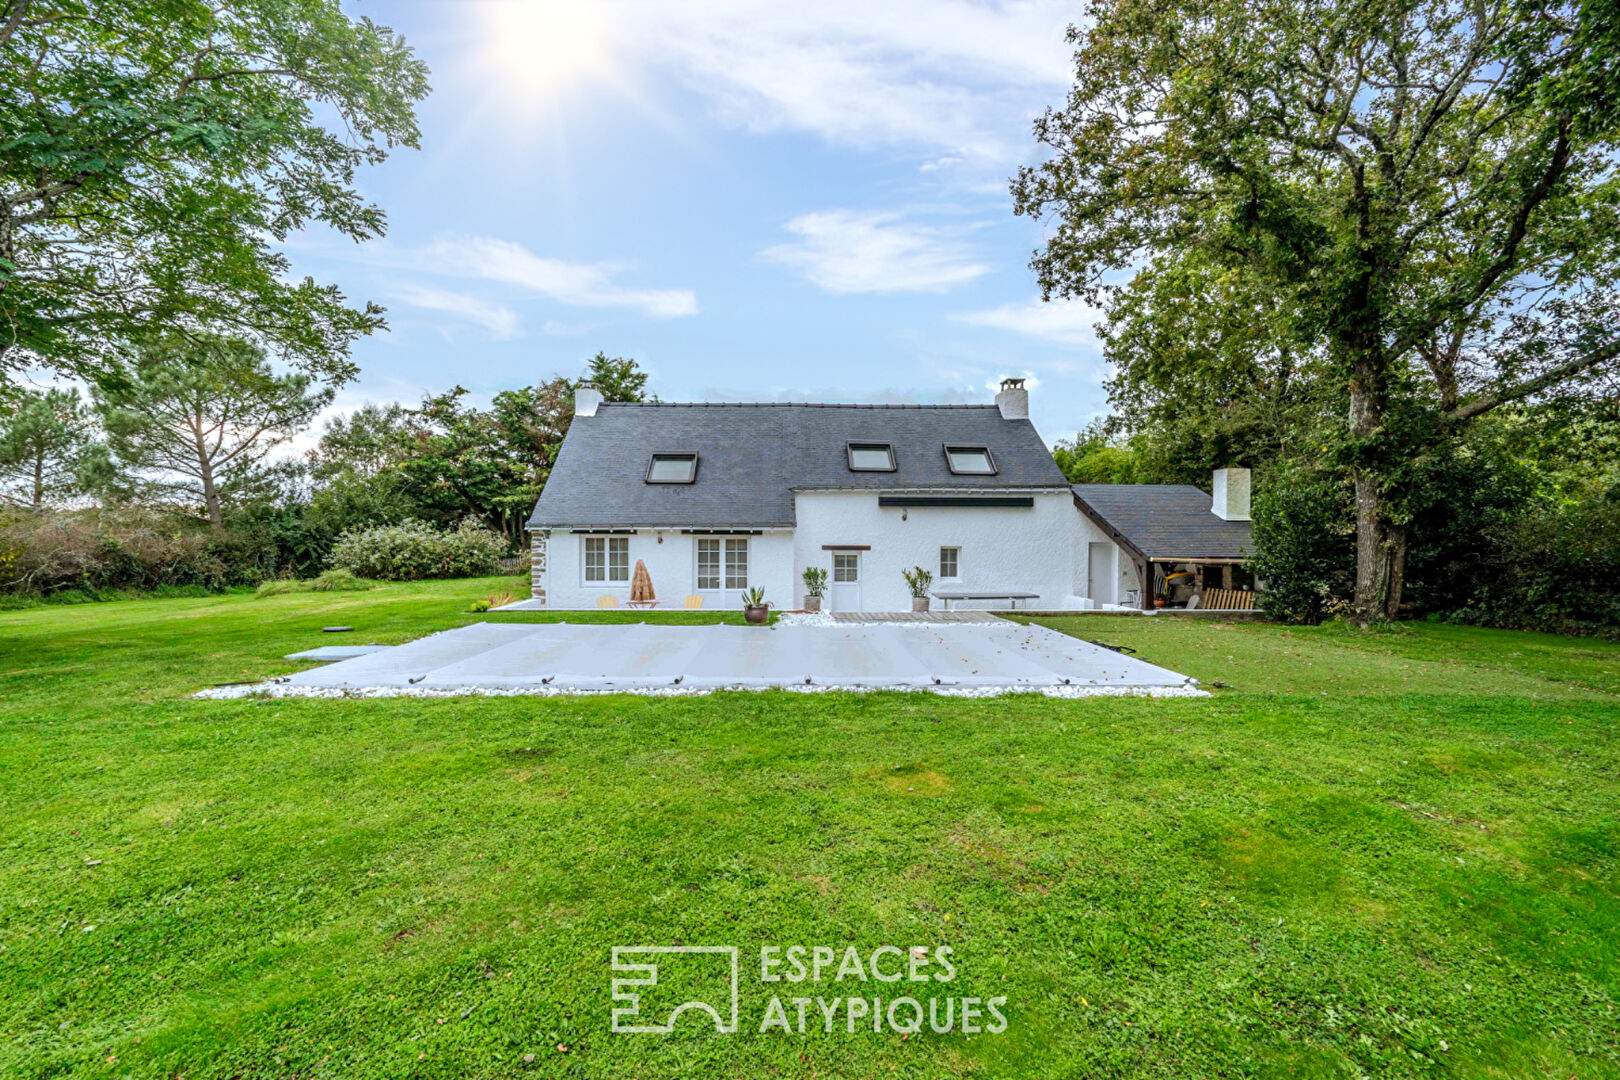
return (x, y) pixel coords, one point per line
(542, 49)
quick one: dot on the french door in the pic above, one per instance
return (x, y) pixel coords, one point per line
(722, 569)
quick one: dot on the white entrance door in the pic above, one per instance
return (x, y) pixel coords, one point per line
(1100, 574)
(722, 570)
(846, 581)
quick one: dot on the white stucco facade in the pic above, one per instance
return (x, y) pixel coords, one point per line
(1045, 548)
(671, 559)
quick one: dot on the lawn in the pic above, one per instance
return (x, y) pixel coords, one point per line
(1367, 855)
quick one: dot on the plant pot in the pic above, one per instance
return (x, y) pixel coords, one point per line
(757, 614)
(1158, 602)
(919, 603)
(812, 603)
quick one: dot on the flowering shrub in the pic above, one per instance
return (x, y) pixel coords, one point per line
(413, 550)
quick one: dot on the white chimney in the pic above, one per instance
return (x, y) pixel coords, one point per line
(1013, 401)
(1231, 495)
(586, 399)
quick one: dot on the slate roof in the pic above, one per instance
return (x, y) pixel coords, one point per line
(1167, 521)
(752, 457)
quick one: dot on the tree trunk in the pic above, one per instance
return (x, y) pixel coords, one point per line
(1380, 542)
(1380, 555)
(211, 498)
(8, 252)
(39, 482)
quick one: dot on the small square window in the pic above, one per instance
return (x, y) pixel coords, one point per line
(672, 468)
(950, 563)
(970, 460)
(871, 456)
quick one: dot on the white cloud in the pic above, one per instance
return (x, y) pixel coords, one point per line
(576, 284)
(845, 251)
(1069, 322)
(959, 76)
(962, 76)
(500, 321)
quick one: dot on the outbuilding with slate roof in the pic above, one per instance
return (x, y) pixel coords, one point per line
(1184, 541)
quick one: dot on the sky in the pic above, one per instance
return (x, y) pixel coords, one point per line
(758, 201)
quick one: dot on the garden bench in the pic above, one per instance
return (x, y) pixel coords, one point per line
(1012, 598)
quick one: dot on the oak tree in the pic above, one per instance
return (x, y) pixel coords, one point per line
(1418, 199)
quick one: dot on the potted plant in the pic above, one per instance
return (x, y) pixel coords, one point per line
(755, 607)
(919, 581)
(815, 587)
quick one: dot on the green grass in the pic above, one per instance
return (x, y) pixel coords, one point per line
(1369, 855)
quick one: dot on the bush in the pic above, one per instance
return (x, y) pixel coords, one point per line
(1304, 546)
(413, 550)
(1552, 569)
(1470, 495)
(102, 551)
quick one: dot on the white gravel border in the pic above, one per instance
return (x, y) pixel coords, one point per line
(282, 690)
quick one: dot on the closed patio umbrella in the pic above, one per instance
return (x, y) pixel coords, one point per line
(641, 590)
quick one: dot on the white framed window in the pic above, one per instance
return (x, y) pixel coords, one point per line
(846, 566)
(606, 560)
(722, 563)
(950, 563)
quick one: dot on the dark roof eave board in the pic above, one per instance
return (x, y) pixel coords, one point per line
(1005, 501)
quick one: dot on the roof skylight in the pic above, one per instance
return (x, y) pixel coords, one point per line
(672, 468)
(871, 456)
(970, 460)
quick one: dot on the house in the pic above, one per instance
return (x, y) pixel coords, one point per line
(717, 498)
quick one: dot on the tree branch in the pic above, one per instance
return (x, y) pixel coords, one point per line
(14, 19)
(185, 84)
(1484, 403)
(1509, 252)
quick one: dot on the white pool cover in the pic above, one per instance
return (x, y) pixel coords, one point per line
(971, 659)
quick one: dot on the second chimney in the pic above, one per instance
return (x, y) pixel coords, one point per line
(586, 399)
(1231, 495)
(1013, 401)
